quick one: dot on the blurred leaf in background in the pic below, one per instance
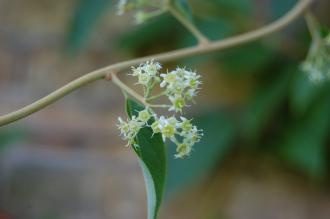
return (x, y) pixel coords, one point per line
(269, 94)
(303, 93)
(86, 16)
(219, 133)
(153, 32)
(10, 135)
(303, 143)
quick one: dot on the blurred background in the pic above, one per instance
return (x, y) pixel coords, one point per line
(265, 153)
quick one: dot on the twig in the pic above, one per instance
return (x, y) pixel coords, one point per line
(190, 26)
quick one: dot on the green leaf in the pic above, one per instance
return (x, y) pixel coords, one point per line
(183, 7)
(303, 93)
(152, 158)
(304, 141)
(153, 32)
(248, 58)
(85, 17)
(219, 133)
(264, 103)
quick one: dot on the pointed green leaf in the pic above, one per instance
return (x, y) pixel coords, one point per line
(152, 158)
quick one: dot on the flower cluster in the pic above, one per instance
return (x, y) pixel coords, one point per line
(129, 129)
(182, 133)
(147, 73)
(138, 6)
(180, 86)
(317, 63)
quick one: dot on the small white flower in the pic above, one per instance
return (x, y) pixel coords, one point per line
(180, 85)
(190, 94)
(155, 126)
(317, 63)
(129, 129)
(123, 127)
(144, 79)
(314, 74)
(146, 72)
(121, 7)
(178, 102)
(140, 17)
(168, 79)
(183, 150)
(144, 115)
(167, 127)
(137, 71)
(152, 67)
(191, 135)
(192, 80)
(135, 125)
(185, 125)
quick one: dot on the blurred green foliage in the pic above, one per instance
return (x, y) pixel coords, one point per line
(284, 115)
(10, 135)
(219, 133)
(85, 17)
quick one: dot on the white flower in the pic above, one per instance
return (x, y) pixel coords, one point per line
(314, 74)
(191, 135)
(192, 80)
(185, 125)
(137, 71)
(190, 94)
(168, 79)
(144, 79)
(146, 72)
(123, 127)
(135, 124)
(317, 63)
(121, 7)
(178, 102)
(140, 17)
(144, 115)
(166, 126)
(152, 67)
(183, 150)
(180, 85)
(155, 126)
(129, 129)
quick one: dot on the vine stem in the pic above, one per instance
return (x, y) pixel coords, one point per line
(189, 25)
(106, 72)
(312, 26)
